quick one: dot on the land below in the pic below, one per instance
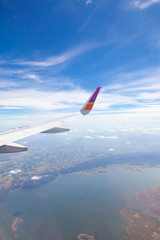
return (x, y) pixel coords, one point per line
(18, 174)
(144, 226)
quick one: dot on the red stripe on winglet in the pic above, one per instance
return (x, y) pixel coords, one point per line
(88, 107)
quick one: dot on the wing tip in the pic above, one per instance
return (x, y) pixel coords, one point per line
(89, 104)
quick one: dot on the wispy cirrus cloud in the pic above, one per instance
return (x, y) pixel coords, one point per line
(34, 77)
(88, 2)
(143, 79)
(90, 15)
(111, 149)
(133, 92)
(59, 59)
(7, 83)
(46, 100)
(90, 130)
(2, 61)
(27, 77)
(88, 137)
(142, 4)
(23, 73)
(108, 137)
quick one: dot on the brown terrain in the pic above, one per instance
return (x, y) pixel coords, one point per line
(143, 226)
(14, 227)
(84, 236)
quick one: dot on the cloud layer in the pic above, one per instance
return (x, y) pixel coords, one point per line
(134, 93)
(142, 4)
(60, 59)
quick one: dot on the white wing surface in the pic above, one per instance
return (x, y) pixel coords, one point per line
(8, 138)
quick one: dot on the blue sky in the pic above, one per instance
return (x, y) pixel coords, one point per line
(53, 54)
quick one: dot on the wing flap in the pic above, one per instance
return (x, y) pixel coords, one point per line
(56, 130)
(12, 148)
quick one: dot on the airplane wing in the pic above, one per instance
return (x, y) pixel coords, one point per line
(8, 138)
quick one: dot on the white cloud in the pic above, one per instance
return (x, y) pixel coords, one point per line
(140, 90)
(142, 4)
(34, 77)
(30, 98)
(124, 130)
(143, 79)
(9, 107)
(38, 79)
(88, 137)
(135, 96)
(110, 149)
(56, 60)
(36, 177)
(111, 130)
(2, 61)
(102, 137)
(91, 130)
(110, 137)
(15, 171)
(88, 2)
(7, 83)
(89, 17)
(8, 71)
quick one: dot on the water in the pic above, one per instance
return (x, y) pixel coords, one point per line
(76, 203)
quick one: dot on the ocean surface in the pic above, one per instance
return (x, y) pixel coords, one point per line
(76, 203)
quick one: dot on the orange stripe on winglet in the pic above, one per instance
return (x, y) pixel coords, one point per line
(90, 103)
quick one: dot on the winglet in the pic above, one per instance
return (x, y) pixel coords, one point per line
(89, 104)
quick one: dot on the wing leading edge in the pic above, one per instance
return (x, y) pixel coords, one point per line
(8, 138)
